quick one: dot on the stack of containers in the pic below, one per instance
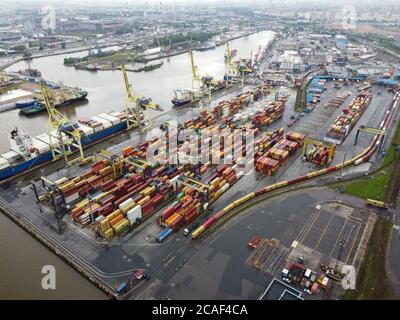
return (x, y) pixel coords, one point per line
(188, 205)
(267, 165)
(270, 113)
(295, 137)
(318, 154)
(231, 107)
(93, 124)
(267, 141)
(287, 145)
(281, 155)
(124, 202)
(349, 117)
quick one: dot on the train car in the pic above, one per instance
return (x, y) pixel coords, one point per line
(377, 204)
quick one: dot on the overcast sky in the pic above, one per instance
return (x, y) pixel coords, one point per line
(247, 2)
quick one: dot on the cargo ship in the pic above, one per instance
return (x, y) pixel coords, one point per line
(35, 73)
(206, 47)
(88, 67)
(185, 97)
(37, 107)
(28, 152)
(190, 95)
(149, 67)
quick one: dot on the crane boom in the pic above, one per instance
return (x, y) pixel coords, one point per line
(66, 133)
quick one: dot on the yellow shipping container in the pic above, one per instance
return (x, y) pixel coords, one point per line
(113, 214)
(121, 225)
(217, 193)
(77, 179)
(144, 190)
(104, 225)
(149, 190)
(129, 207)
(108, 233)
(82, 204)
(144, 200)
(67, 186)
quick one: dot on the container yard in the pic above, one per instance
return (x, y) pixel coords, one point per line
(242, 188)
(122, 198)
(339, 130)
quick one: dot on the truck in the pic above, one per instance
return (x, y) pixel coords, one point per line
(164, 235)
(188, 230)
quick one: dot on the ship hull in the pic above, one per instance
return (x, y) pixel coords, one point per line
(29, 111)
(180, 102)
(47, 156)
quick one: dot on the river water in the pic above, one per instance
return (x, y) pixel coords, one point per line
(106, 91)
(22, 257)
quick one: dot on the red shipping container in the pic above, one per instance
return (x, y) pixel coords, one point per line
(147, 209)
(168, 212)
(109, 199)
(121, 200)
(107, 211)
(157, 199)
(177, 223)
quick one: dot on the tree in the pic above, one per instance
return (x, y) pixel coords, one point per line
(27, 54)
(63, 44)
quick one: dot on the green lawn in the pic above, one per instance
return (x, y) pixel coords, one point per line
(373, 187)
(390, 156)
(372, 280)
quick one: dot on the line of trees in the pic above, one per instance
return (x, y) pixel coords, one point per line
(180, 37)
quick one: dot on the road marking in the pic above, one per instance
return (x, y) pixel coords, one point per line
(338, 237)
(354, 242)
(308, 226)
(323, 233)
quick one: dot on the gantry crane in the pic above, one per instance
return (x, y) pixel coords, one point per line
(136, 108)
(140, 164)
(198, 80)
(202, 188)
(370, 130)
(308, 141)
(65, 133)
(4, 78)
(231, 69)
(116, 164)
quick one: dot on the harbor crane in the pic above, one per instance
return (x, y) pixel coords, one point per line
(308, 141)
(4, 78)
(369, 130)
(62, 133)
(231, 75)
(198, 82)
(136, 108)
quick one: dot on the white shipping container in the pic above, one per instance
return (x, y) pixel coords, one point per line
(112, 119)
(72, 198)
(3, 163)
(125, 204)
(10, 156)
(98, 196)
(45, 139)
(173, 180)
(40, 145)
(225, 187)
(97, 129)
(104, 122)
(134, 214)
(85, 129)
